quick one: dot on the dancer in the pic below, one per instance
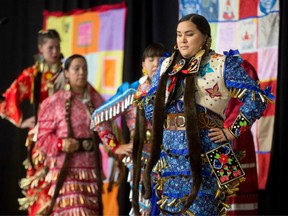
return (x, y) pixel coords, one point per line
(35, 83)
(71, 149)
(192, 162)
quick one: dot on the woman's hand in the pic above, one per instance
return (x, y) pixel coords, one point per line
(70, 145)
(28, 123)
(125, 149)
(220, 135)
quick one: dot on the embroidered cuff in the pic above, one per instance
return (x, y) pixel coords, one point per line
(240, 125)
(110, 140)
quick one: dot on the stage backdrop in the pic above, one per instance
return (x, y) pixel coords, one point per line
(252, 27)
(98, 34)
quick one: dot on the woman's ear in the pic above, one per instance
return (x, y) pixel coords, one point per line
(205, 40)
(40, 48)
(66, 74)
(143, 64)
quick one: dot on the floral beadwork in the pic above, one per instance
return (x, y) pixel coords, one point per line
(224, 164)
(240, 125)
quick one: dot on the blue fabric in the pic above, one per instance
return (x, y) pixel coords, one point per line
(154, 209)
(231, 53)
(236, 77)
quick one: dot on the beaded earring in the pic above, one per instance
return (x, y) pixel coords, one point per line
(67, 85)
(144, 71)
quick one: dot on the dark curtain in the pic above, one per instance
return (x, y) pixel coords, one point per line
(147, 21)
(273, 198)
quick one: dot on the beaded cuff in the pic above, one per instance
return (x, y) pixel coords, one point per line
(110, 140)
(240, 125)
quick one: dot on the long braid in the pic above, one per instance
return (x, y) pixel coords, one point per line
(64, 169)
(157, 134)
(193, 138)
(157, 127)
(98, 165)
(138, 143)
(194, 143)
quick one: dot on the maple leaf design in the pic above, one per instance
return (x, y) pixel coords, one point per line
(214, 92)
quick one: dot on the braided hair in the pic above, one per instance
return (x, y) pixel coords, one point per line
(152, 50)
(190, 112)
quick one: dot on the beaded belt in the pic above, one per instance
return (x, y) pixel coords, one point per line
(206, 120)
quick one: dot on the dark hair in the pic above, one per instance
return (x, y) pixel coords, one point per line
(47, 34)
(154, 49)
(71, 58)
(200, 21)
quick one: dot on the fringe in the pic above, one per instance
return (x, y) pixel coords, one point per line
(87, 188)
(77, 174)
(74, 201)
(60, 181)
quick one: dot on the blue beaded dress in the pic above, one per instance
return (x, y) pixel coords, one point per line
(219, 78)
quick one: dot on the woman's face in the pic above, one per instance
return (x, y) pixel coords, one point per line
(189, 39)
(77, 74)
(150, 64)
(50, 50)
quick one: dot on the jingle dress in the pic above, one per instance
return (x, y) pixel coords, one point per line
(35, 83)
(78, 193)
(219, 78)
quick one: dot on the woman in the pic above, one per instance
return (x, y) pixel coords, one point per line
(35, 83)
(140, 128)
(186, 104)
(71, 148)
